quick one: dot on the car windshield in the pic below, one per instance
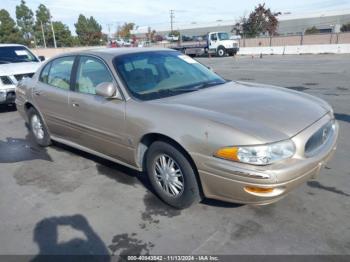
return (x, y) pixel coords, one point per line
(157, 74)
(16, 54)
(223, 36)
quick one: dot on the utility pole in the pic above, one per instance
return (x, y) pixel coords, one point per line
(172, 16)
(53, 33)
(42, 31)
(109, 30)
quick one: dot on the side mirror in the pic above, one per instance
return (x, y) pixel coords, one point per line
(41, 58)
(108, 90)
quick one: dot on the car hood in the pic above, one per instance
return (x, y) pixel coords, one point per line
(18, 68)
(270, 113)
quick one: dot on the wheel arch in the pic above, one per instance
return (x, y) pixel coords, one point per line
(221, 47)
(147, 140)
(28, 105)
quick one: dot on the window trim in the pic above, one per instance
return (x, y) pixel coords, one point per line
(50, 64)
(75, 71)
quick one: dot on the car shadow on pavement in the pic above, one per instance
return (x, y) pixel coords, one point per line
(15, 150)
(128, 176)
(7, 108)
(342, 117)
(117, 172)
(219, 203)
(85, 241)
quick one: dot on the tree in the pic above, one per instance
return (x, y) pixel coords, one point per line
(312, 30)
(9, 33)
(175, 33)
(124, 30)
(345, 28)
(62, 34)
(42, 23)
(25, 20)
(262, 20)
(151, 34)
(89, 31)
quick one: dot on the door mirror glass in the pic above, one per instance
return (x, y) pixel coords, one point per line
(106, 89)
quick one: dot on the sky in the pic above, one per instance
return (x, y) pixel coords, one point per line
(155, 13)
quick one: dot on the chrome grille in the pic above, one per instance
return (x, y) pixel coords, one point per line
(19, 77)
(319, 138)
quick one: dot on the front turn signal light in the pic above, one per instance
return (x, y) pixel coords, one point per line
(259, 190)
(229, 153)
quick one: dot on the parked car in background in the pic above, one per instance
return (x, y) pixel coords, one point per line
(195, 134)
(16, 63)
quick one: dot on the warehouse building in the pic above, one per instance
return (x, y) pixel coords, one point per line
(289, 24)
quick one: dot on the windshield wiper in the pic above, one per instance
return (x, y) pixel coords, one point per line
(199, 86)
(176, 91)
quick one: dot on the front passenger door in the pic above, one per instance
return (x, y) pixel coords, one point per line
(101, 121)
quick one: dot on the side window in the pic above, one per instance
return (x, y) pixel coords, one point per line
(91, 72)
(213, 37)
(60, 72)
(44, 76)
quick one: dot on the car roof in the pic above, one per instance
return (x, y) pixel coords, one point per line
(6, 45)
(110, 53)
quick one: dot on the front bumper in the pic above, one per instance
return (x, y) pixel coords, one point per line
(7, 96)
(227, 181)
(233, 50)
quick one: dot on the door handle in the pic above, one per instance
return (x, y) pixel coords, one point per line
(75, 105)
(38, 93)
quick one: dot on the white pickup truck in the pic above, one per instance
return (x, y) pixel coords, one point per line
(16, 63)
(218, 43)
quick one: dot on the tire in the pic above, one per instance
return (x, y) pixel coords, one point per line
(221, 52)
(182, 173)
(38, 128)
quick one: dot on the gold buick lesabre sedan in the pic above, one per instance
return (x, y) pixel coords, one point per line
(195, 134)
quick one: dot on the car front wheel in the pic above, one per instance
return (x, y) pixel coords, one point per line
(171, 175)
(221, 51)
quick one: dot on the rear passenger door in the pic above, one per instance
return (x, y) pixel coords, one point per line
(51, 94)
(100, 122)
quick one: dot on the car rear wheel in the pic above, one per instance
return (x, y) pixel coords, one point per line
(171, 175)
(38, 128)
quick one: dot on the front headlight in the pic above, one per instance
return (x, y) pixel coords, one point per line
(3, 94)
(258, 155)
